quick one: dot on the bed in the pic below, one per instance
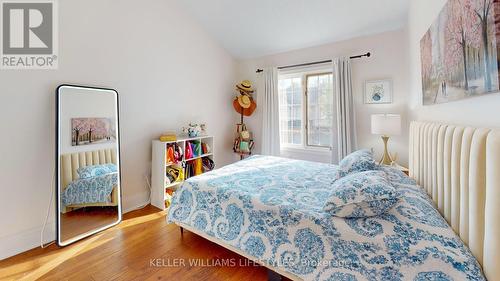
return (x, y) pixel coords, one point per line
(269, 209)
(70, 163)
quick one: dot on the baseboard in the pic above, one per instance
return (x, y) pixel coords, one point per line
(26, 240)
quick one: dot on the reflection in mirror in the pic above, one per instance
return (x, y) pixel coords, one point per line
(88, 165)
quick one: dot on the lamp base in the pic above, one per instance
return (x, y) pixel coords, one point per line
(386, 157)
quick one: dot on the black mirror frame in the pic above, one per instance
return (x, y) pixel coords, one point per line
(57, 166)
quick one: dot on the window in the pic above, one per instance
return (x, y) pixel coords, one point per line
(306, 109)
(290, 97)
(319, 109)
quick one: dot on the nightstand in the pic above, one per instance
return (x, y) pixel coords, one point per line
(401, 168)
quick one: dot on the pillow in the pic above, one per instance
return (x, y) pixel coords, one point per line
(96, 170)
(362, 194)
(111, 167)
(358, 161)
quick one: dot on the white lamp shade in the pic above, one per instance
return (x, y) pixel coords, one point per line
(386, 124)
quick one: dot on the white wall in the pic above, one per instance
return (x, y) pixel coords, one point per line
(477, 111)
(389, 60)
(167, 71)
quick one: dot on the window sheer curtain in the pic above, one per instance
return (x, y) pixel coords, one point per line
(270, 113)
(344, 123)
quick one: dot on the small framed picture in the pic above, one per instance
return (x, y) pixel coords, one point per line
(378, 91)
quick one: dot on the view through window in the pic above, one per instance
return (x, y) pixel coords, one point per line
(306, 109)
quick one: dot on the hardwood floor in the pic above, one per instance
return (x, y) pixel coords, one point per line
(83, 220)
(142, 247)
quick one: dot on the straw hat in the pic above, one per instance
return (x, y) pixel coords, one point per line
(245, 111)
(244, 101)
(245, 86)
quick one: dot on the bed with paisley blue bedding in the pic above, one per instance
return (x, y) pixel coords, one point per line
(271, 209)
(92, 189)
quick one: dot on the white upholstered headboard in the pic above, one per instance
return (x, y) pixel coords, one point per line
(459, 167)
(72, 161)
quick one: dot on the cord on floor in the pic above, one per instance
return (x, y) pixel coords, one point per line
(146, 177)
(52, 187)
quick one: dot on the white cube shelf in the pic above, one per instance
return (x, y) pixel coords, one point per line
(159, 166)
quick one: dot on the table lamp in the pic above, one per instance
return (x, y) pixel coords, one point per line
(386, 125)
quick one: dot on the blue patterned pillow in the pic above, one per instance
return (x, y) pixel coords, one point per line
(362, 194)
(111, 167)
(358, 161)
(96, 170)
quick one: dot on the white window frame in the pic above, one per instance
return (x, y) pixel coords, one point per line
(304, 73)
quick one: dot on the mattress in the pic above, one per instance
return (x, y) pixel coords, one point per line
(270, 208)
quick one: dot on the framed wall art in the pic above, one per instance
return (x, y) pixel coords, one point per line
(460, 52)
(378, 91)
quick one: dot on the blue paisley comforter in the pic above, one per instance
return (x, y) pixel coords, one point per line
(90, 190)
(271, 208)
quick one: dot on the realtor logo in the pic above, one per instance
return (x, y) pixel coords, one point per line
(29, 35)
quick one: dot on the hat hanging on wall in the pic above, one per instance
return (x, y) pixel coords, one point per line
(245, 111)
(244, 101)
(245, 86)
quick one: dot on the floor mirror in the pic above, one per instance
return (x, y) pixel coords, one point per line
(87, 162)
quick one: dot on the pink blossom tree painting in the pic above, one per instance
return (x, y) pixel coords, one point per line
(459, 52)
(92, 131)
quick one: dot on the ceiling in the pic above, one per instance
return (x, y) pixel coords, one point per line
(255, 28)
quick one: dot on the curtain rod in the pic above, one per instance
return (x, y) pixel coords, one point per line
(316, 62)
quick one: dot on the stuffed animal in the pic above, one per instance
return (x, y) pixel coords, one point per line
(194, 130)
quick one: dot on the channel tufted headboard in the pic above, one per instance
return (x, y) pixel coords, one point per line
(72, 161)
(459, 167)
